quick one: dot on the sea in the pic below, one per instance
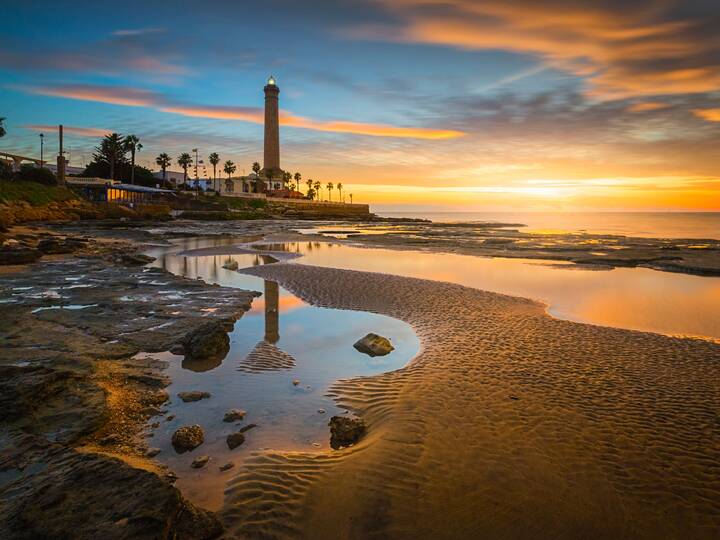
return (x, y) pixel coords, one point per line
(701, 225)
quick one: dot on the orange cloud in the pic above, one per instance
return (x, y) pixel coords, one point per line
(645, 106)
(70, 130)
(133, 97)
(622, 52)
(711, 115)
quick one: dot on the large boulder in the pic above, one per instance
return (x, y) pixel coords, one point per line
(234, 440)
(18, 255)
(346, 431)
(233, 415)
(193, 395)
(54, 246)
(208, 341)
(374, 345)
(188, 438)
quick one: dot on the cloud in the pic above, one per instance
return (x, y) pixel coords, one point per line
(644, 106)
(711, 115)
(137, 31)
(135, 97)
(69, 130)
(622, 49)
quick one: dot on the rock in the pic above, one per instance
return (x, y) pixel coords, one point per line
(55, 246)
(345, 431)
(321, 411)
(152, 452)
(296, 382)
(170, 418)
(208, 341)
(193, 395)
(18, 255)
(187, 438)
(230, 265)
(109, 440)
(247, 428)
(200, 462)
(135, 259)
(234, 440)
(227, 466)
(374, 345)
(233, 415)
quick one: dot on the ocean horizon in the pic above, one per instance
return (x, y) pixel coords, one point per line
(698, 225)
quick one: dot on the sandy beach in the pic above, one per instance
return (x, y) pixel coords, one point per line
(508, 424)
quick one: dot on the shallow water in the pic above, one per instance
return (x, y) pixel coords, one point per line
(318, 339)
(633, 298)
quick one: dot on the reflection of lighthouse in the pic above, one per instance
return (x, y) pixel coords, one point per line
(272, 315)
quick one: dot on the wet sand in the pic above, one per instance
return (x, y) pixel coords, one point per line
(508, 424)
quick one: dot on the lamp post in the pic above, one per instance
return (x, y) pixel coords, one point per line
(42, 140)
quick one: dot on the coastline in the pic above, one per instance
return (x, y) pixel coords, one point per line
(558, 429)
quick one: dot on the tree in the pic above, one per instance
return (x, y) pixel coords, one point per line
(292, 186)
(309, 185)
(310, 193)
(287, 176)
(330, 188)
(256, 167)
(214, 159)
(184, 160)
(317, 187)
(163, 161)
(297, 176)
(339, 188)
(112, 151)
(229, 168)
(2, 126)
(132, 144)
(351, 198)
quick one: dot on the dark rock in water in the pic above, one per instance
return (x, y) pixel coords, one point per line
(187, 438)
(235, 439)
(208, 341)
(230, 265)
(233, 415)
(18, 255)
(247, 428)
(200, 462)
(227, 466)
(345, 431)
(152, 452)
(193, 395)
(135, 259)
(374, 345)
(90, 496)
(57, 246)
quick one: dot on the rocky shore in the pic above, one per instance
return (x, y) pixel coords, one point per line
(76, 392)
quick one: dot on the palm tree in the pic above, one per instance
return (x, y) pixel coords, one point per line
(309, 185)
(184, 160)
(163, 161)
(292, 186)
(339, 188)
(2, 127)
(214, 159)
(310, 194)
(229, 168)
(132, 145)
(351, 198)
(287, 176)
(330, 188)
(317, 185)
(297, 176)
(256, 167)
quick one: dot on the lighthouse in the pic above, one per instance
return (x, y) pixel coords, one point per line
(271, 165)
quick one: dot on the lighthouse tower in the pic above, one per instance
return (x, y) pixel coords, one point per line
(271, 165)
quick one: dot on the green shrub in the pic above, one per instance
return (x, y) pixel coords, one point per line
(31, 173)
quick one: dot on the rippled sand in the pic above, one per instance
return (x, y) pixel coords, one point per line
(508, 424)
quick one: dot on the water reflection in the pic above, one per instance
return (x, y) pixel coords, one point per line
(258, 374)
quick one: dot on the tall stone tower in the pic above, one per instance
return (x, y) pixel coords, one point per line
(271, 166)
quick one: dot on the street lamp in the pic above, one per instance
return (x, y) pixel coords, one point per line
(42, 140)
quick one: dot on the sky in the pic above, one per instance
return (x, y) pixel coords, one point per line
(414, 105)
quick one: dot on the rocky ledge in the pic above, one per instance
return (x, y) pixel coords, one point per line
(75, 394)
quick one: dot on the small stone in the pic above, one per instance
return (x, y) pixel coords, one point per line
(194, 395)
(514, 398)
(374, 345)
(296, 382)
(110, 440)
(187, 438)
(230, 265)
(170, 417)
(234, 440)
(200, 462)
(227, 466)
(152, 452)
(233, 415)
(316, 445)
(345, 431)
(321, 411)
(247, 428)
(155, 425)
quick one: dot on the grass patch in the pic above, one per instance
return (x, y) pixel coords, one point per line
(33, 193)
